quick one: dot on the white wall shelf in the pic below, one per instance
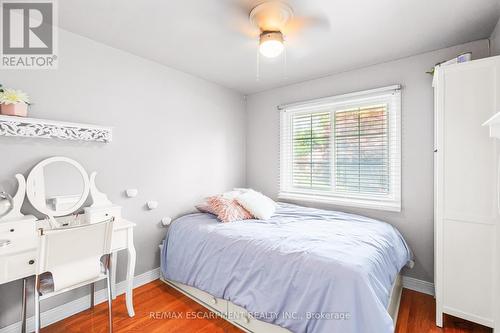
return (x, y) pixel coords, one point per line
(41, 128)
(494, 125)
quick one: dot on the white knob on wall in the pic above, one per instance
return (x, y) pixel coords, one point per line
(131, 192)
(166, 221)
(152, 204)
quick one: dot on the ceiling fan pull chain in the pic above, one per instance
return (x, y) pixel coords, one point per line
(285, 76)
(258, 66)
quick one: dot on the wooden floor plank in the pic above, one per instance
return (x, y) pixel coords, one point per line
(160, 308)
(417, 314)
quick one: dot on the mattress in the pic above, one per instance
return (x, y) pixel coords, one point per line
(304, 269)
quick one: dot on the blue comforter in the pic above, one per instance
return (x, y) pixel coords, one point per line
(305, 269)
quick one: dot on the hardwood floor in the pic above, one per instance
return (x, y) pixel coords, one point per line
(160, 308)
(417, 314)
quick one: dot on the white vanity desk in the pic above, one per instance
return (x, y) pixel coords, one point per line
(18, 258)
(19, 233)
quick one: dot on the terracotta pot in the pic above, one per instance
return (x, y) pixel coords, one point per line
(19, 109)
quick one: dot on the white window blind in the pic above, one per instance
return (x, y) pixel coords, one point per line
(311, 150)
(343, 150)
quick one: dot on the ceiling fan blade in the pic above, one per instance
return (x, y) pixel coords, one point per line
(237, 17)
(299, 24)
(243, 27)
(305, 38)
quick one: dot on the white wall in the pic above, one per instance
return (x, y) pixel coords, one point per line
(495, 40)
(176, 138)
(416, 218)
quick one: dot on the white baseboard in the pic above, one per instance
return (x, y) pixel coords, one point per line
(68, 309)
(418, 285)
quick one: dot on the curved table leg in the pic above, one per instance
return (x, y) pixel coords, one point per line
(130, 272)
(23, 309)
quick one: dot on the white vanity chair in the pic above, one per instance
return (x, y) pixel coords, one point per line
(57, 187)
(90, 253)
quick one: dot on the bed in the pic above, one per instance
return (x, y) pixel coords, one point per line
(302, 270)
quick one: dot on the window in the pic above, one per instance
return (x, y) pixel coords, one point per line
(344, 150)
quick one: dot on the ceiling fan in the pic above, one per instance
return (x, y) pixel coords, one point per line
(276, 21)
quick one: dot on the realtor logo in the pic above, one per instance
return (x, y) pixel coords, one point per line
(28, 34)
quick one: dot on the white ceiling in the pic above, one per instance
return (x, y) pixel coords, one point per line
(213, 39)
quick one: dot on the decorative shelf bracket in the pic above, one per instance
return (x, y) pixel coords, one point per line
(41, 128)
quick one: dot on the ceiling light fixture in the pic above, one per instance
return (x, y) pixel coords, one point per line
(271, 17)
(271, 44)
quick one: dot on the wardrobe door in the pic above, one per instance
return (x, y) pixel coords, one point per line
(469, 199)
(497, 226)
(438, 193)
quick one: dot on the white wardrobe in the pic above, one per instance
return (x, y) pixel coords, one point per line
(467, 207)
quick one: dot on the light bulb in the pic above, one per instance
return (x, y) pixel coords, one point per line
(271, 44)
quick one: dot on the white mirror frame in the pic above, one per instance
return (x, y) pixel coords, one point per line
(36, 176)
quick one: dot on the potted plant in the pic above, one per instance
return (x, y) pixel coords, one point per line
(13, 102)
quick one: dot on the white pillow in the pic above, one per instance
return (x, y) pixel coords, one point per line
(231, 195)
(257, 204)
(242, 189)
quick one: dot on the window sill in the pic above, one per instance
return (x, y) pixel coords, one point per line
(391, 206)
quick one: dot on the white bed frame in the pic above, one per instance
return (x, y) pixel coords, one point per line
(239, 317)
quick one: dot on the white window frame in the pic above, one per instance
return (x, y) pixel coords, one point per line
(391, 96)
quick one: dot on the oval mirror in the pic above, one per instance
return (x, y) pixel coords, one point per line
(57, 186)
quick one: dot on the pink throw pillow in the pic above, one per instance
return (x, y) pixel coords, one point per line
(228, 210)
(204, 207)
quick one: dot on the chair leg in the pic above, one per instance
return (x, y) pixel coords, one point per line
(38, 325)
(110, 296)
(92, 295)
(23, 309)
